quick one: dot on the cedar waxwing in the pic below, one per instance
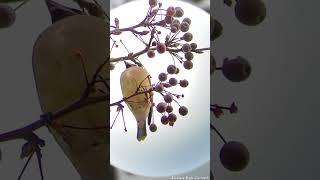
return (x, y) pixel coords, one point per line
(60, 80)
(132, 79)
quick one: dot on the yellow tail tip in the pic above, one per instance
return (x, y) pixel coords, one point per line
(141, 138)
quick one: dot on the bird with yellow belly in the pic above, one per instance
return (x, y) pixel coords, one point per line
(136, 79)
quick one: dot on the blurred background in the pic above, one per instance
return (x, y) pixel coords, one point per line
(278, 117)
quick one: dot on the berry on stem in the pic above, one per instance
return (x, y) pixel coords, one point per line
(188, 64)
(217, 29)
(164, 120)
(172, 118)
(183, 110)
(193, 46)
(184, 83)
(237, 69)
(184, 27)
(250, 12)
(187, 36)
(162, 76)
(234, 156)
(153, 127)
(173, 81)
(168, 98)
(188, 55)
(171, 69)
(168, 19)
(177, 71)
(187, 20)
(151, 54)
(161, 107)
(159, 88)
(186, 47)
(169, 109)
(171, 11)
(179, 12)
(7, 16)
(161, 48)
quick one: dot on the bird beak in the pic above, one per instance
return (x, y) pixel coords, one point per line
(128, 65)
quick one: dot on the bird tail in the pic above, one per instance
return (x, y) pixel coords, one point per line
(142, 132)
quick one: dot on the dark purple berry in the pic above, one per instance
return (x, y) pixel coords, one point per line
(179, 12)
(168, 98)
(169, 109)
(168, 19)
(188, 65)
(186, 47)
(184, 27)
(162, 76)
(172, 117)
(173, 81)
(234, 156)
(151, 54)
(171, 69)
(177, 71)
(250, 12)
(237, 69)
(187, 36)
(183, 110)
(171, 11)
(193, 46)
(159, 88)
(161, 107)
(187, 20)
(184, 83)
(188, 56)
(153, 127)
(164, 119)
(154, 43)
(217, 29)
(161, 48)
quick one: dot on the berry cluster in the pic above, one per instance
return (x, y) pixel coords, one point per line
(234, 155)
(165, 108)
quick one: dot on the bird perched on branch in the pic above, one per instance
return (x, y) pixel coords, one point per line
(133, 80)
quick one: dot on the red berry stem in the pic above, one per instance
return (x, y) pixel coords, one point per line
(114, 120)
(212, 127)
(20, 5)
(124, 123)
